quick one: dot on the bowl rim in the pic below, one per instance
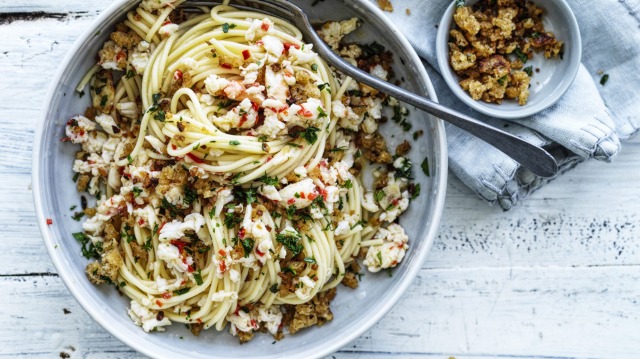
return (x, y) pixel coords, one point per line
(449, 76)
(439, 176)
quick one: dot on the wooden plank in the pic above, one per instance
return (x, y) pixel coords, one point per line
(486, 312)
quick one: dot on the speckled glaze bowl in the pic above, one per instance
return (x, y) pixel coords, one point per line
(355, 311)
(547, 85)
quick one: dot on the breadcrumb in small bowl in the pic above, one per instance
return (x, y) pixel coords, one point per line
(509, 58)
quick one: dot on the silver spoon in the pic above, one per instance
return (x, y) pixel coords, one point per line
(532, 157)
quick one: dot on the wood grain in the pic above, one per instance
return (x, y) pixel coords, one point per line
(557, 276)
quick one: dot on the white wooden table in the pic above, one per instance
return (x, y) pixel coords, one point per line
(557, 276)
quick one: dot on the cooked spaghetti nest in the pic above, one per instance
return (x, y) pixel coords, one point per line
(226, 171)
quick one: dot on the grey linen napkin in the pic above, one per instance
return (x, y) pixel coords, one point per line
(588, 122)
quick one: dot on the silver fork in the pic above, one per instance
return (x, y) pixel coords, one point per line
(532, 157)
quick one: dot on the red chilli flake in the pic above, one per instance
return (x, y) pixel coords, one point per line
(179, 244)
(177, 75)
(166, 295)
(265, 27)
(291, 201)
(243, 120)
(287, 46)
(49, 221)
(159, 303)
(241, 233)
(194, 158)
(305, 112)
(312, 196)
(246, 54)
(226, 66)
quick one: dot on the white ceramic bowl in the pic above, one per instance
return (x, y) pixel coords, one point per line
(355, 310)
(547, 85)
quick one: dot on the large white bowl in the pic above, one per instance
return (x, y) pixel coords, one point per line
(355, 310)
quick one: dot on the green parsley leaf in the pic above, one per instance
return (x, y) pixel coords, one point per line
(136, 191)
(310, 260)
(269, 181)
(528, 70)
(604, 79)
(231, 220)
(425, 166)
(198, 277)
(234, 143)
(291, 241)
(324, 86)
(310, 134)
(522, 56)
(247, 245)
(181, 291)
(77, 216)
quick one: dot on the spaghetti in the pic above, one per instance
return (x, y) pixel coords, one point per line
(226, 167)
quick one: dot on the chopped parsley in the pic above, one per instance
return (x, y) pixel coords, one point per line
(425, 166)
(77, 216)
(168, 206)
(136, 191)
(269, 181)
(414, 191)
(324, 86)
(522, 56)
(274, 288)
(310, 260)
(190, 195)
(310, 134)
(247, 245)
(234, 143)
(148, 245)
(372, 49)
(181, 291)
(89, 250)
(104, 100)
(231, 220)
(321, 113)
(502, 80)
(529, 70)
(604, 79)
(291, 241)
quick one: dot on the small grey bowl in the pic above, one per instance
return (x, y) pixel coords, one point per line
(547, 85)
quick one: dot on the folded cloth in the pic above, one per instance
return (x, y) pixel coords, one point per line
(589, 121)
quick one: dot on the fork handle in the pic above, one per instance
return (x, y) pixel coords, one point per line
(532, 157)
